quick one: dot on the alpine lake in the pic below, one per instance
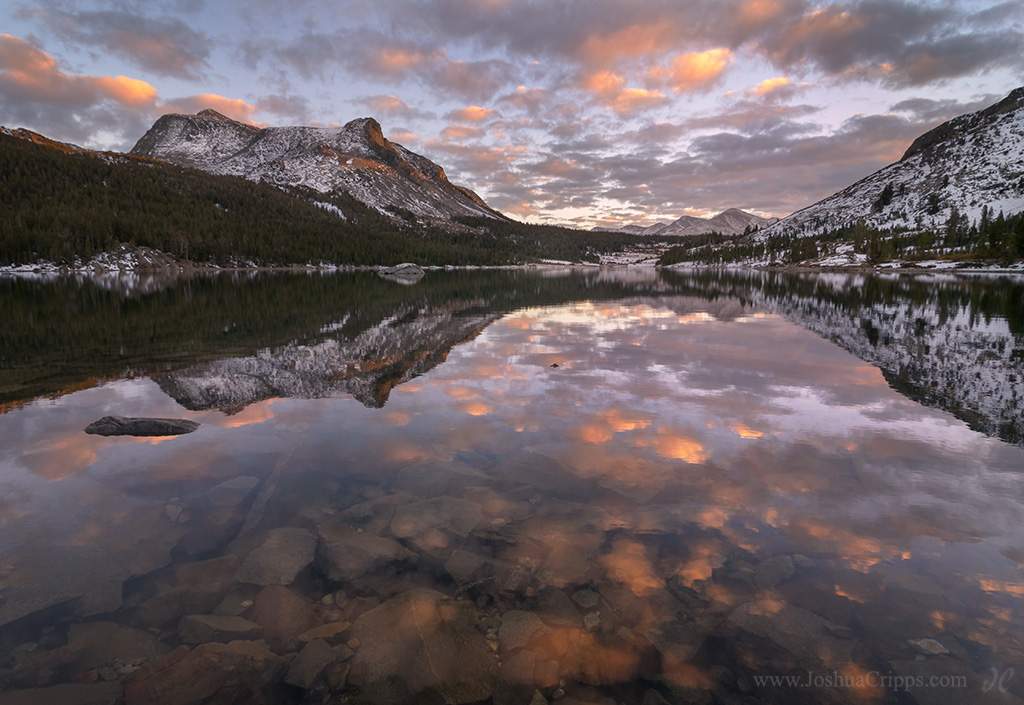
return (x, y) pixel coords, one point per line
(618, 486)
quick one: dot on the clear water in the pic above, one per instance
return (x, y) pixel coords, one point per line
(695, 481)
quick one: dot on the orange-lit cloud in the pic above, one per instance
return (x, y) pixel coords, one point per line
(36, 73)
(395, 60)
(395, 418)
(235, 108)
(676, 446)
(695, 71)
(463, 132)
(610, 89)
(629, 563)
(744, 431)
(758, 12)
(253, 414)
(474, 113)
(604, 83)
(477, 408)
(632, 100)
(771, 84)
(635, 40)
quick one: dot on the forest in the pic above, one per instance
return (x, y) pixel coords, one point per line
(993, 238)
(63, 206)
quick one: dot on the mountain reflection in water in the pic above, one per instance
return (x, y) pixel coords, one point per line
(625, 489)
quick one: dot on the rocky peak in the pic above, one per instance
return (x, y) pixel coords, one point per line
(356, 159)
(371, 129)
(211, 114)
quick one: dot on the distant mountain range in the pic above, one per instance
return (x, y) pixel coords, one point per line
(355, 159)
(730, 222)
(965, 164)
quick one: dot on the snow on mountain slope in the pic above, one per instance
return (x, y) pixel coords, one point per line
(972, 161)
(355, 159)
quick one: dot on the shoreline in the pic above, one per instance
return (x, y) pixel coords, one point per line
(170, 268)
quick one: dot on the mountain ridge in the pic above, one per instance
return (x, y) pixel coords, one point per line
(355, 159)
(732, 221)
(971, 162)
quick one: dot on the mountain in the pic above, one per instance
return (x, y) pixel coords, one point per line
(970, 162)
(730, 222)
(355, 159)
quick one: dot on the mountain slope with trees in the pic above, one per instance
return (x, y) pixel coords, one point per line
(63, 204)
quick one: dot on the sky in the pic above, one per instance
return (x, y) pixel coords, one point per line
(577, 112)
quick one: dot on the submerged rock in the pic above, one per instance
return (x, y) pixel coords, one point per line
(284, 615)
(197, 588)
(235, 672)
(929, 646)
(431, 523)
(125, 426)
(312, 663)
(677, 643)
(799, 638)
(278, 559)
(201, 628)
(771, 572)
(85, 578)
(518, 629)
(422, 646)
(346, 554)
(66, 694)
(94, 645)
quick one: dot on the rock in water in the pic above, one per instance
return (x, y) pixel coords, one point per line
(124, 426)
(405, 273)
(279, 559)
(422, 647)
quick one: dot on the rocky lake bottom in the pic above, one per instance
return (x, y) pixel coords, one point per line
(648, 490)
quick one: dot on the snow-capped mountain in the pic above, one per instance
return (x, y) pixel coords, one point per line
(970, 162)
(355, 159)
(730, 222)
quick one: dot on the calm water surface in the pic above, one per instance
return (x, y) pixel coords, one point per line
(608, 487)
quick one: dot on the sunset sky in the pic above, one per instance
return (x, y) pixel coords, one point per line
(571, 111)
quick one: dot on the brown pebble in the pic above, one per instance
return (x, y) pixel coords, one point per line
(353, 643)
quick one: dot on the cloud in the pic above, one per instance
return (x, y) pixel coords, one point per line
(894, 42)
(166, 46)
(609, 89)
(234, 108)
(473, 113)
(694, 71)
(35, 91)
(393, 107)
(529, 100)
(295, 107)
(771, 85)
(472, 80)
(929, 110)
(463, 132)
(111, 110)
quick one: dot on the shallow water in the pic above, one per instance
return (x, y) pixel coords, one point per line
(607, 486)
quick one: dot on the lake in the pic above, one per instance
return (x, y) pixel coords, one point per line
(606, 486)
